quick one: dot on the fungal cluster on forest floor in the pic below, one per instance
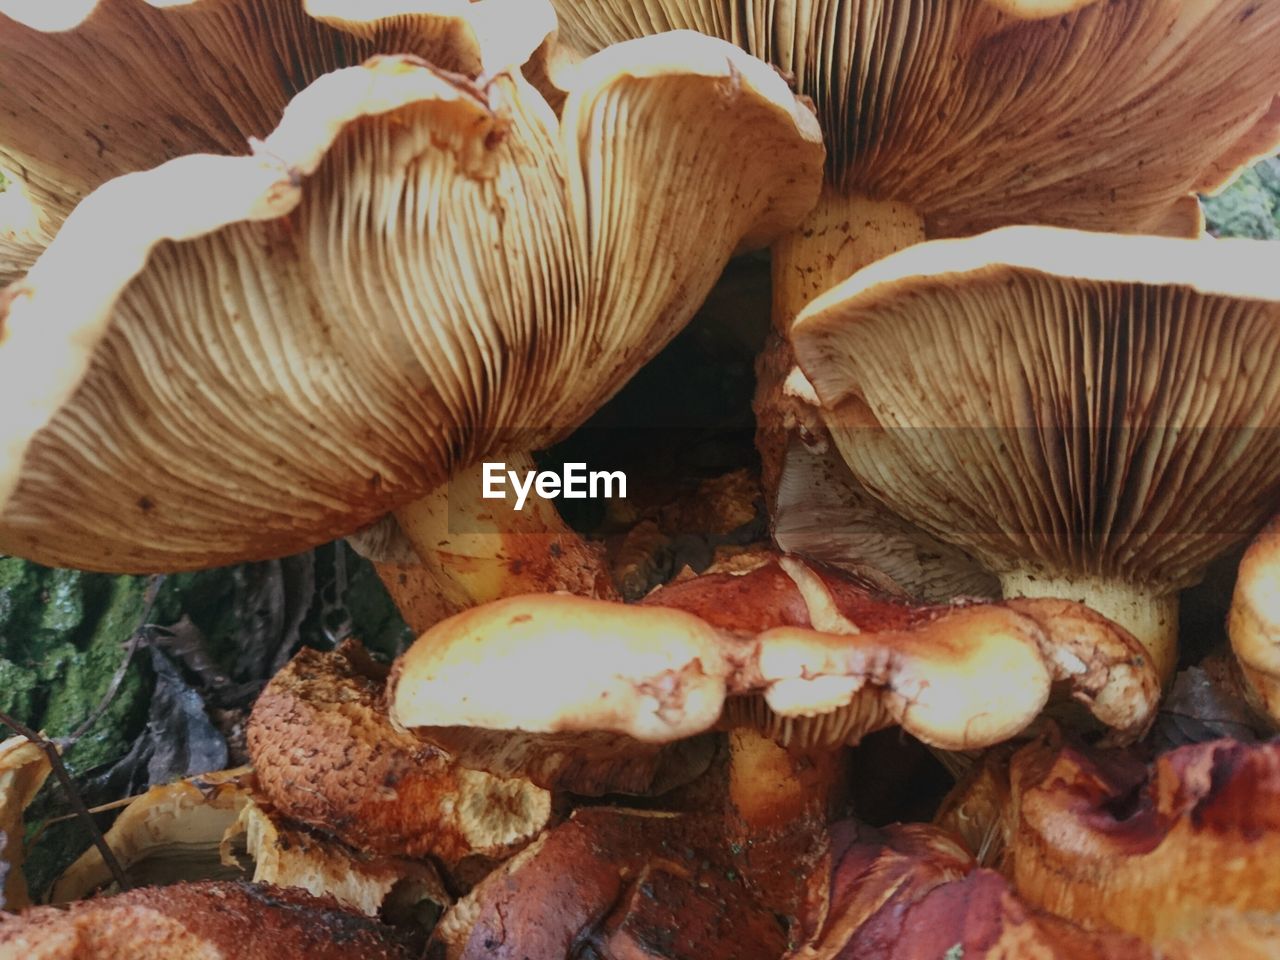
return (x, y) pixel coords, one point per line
(878, 656)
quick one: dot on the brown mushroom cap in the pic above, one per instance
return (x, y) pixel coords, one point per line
(1092, 416)
(228, 358)
(326, 754)
(811, 657)
(1157, 850)
(1254, 622)
(617, 883)
(208, 921)
(979, 114)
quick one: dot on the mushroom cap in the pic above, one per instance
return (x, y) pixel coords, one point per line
(909, 894)
(98, 90)
(326, 755)
(24, 767)
(209, 921)
(1254, 621)
(623, 883)
(1092, 115)
(1059, 402)
(233, 358)
(1158, 850)
(811, 657)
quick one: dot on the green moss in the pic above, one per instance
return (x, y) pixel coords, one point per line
(1250, 207)
(19, 688)
(374, 617)
(79, 677)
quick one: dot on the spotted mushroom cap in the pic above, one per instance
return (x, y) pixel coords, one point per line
(1058, 402)
(231, 358)
(981, 113)
(326, 755)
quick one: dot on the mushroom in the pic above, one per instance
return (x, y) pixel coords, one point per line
(814, 659)
(171, 832)
(24, 766)
(98, 90)
(211, 921)
(909, 893)
(1093, 416)
(1160, 850)
(413, 273)
(326, 755)
(949, 119)
(616, 883)
(1254, 621)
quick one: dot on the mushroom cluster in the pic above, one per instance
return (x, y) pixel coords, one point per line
(898, 679)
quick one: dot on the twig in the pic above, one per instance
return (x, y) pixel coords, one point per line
(73, 794)
(100, 808)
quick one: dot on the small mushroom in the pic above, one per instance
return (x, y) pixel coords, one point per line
(1092, 416)
(1254, 622)
(909, 893)
(1160, 850)
(813, 658)
(209, 921)
(326, 755)
(192, 830)
(24, 766)
(170, 833)
(616, 883)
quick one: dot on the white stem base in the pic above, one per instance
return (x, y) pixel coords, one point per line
(1152, 618)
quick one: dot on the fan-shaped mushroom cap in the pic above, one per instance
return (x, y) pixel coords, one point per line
(97, 90)
(1159, 851)
(812, 658)
(1254, 622)
(24, 766)
(326, 755)
(228, 358)
(208, 921)
(1092, 416)
(978, 114)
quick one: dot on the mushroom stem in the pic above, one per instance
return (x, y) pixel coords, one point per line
(843, 234)
(479, 550)
(1151, 617)
(772, 786)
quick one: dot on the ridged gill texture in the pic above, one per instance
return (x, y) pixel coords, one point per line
(411, 274)
(987, 113)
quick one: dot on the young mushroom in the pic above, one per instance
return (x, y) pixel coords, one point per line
(947, 119)
(412, 274)
(1093, 416)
